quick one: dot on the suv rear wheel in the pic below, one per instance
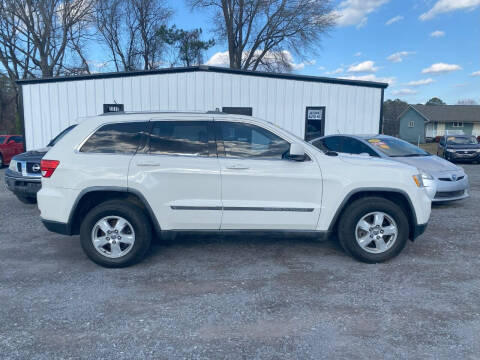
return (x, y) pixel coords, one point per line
(373, 229)
(116, 234)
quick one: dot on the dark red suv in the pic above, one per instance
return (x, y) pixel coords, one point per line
(10, 145)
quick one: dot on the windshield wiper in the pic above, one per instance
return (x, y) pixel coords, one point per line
(410, 155)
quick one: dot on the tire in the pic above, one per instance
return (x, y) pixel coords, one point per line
(371, 253)
(137, 224)
(27, 199)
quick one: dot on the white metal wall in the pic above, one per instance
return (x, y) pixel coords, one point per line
(51, 107)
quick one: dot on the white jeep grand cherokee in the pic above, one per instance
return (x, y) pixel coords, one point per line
(115, 179)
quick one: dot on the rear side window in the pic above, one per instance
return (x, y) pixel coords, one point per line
(332, 143)
(354, 146)
(179, 138)
(17, 139)
(251, 141)
(121, 138)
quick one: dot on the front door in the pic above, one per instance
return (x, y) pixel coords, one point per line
(179, 174)
(261, 188)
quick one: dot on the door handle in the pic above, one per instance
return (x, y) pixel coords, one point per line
(148, 164)
(237, 167)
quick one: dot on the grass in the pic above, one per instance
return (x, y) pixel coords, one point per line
(430, 147)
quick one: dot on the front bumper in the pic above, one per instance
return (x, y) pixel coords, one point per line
(451, 190)
(460, 157)
(23, 185)
(418, 230)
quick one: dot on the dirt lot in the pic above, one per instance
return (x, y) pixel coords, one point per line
(241, 297)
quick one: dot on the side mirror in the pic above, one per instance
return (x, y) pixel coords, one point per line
(297, 152)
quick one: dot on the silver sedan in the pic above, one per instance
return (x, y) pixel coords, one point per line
(450, 180)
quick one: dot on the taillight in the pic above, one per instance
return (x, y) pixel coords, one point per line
(48, 167)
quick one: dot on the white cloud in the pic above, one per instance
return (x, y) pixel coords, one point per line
(399, 56)
(364, 67)
(445, 6)
(476, 73)
(440, 68)
(404, 92)
(437, 34)
(371, 77)
(355, 12)
(421, 82)
(394, 20)
(358, 54)
(321, 68)
(335, 72)
(222, 59)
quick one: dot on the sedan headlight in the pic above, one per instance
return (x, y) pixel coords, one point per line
(13, 165)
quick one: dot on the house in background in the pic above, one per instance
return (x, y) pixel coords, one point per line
(418, 122)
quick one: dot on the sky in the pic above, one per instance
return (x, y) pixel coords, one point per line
(422, 48)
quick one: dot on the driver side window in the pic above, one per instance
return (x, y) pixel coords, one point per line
(250, 141)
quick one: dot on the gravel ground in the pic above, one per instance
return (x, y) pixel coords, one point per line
(241, 297)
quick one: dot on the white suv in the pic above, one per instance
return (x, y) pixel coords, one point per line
(115, 179)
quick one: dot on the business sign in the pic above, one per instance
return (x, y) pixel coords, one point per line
(315, 114)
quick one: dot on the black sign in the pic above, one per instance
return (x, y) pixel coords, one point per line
(112, 108)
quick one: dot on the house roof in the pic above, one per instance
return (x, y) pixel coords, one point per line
(206, 68)
(448, 113)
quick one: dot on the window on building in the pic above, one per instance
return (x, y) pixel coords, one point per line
(250, 141)
(411, 124)
(179, 138)
(457, 124)
(314, 122)
(115, 138)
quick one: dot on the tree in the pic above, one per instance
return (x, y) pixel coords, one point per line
(188, 47)
(35, 35)
(467, 102)
(435, 101)
(391, 112)
(129, 30)
(261, 33)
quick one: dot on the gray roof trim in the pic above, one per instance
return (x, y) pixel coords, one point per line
(206, 68)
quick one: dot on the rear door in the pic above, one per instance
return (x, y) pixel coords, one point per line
(261, 188)
(179, 174)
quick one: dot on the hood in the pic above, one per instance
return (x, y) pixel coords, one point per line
(468, 146)
(364, 160)
(429, 164)
(32, 155)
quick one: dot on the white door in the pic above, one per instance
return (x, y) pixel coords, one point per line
(178, 173)
(261, 188)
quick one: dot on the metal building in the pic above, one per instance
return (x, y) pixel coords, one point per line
(305, 105)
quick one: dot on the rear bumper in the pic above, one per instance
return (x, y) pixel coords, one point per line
(23, 186)
(57, 227)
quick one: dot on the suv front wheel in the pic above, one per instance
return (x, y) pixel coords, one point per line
(373, 229)
(116, 234)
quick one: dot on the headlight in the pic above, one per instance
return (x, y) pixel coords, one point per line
(418, 180)
(13, 165)
(426, 176)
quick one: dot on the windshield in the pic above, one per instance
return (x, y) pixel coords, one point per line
(2, 139)
(461, 140)
(396, 148)
(61, 135)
